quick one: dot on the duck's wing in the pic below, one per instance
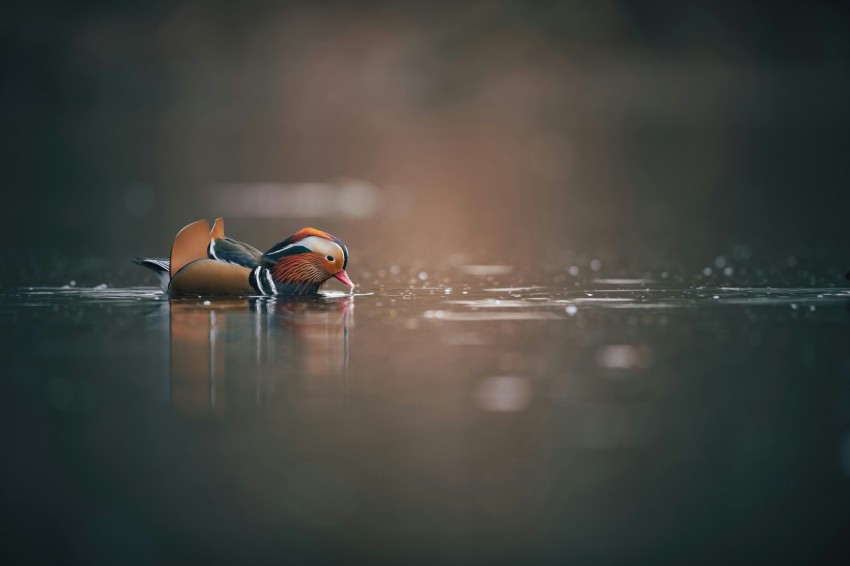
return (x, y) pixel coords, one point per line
(232, 251)
(222, 248)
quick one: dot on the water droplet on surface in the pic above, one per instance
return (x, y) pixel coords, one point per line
(707, 271)
(720, 262)
(595, 265)
(573, 270)
(571, 310)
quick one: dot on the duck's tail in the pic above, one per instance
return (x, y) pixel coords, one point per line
(159, 265)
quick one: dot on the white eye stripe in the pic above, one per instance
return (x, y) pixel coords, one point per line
(314, 244)
(320, 246)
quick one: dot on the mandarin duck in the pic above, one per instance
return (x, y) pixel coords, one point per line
(206, 262)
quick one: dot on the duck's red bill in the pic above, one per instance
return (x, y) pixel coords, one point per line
(343, 276)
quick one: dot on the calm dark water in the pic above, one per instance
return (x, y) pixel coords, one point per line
(618, 423)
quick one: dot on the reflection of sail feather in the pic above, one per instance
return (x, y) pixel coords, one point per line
(271, 340)
(194, 357)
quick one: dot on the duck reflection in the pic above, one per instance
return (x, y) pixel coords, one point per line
(240, 351)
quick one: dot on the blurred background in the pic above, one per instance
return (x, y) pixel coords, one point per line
(463, 151)
(648, 135)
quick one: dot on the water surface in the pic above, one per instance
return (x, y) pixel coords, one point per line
(621, 422)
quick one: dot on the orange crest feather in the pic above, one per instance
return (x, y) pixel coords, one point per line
(304, 232)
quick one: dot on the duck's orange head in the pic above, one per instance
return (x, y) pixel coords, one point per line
(308, 257)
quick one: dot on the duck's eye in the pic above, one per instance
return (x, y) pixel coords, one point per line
(330, 258)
